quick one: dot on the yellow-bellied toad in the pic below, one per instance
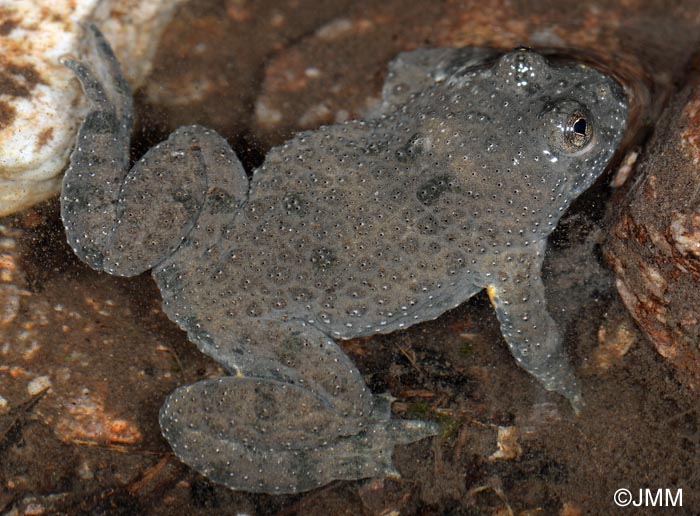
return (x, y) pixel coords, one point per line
(452, 186)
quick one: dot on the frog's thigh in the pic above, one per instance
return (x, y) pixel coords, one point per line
(158, 205)
(297, 415)
(191, 178)
(532, 335)
(293, 352)
(265, 436)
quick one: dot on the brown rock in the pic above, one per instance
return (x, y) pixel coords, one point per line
(212, 57)
(616, 336)
(654, 245)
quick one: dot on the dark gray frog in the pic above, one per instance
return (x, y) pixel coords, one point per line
(452, 186)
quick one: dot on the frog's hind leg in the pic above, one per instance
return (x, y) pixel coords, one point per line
(100, 159)
(126, 222)
(517, 294)
(296, 416)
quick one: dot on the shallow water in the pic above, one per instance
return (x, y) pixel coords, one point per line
(86, 359)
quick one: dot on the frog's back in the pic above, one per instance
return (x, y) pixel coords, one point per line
(349, 238)
(375, 225)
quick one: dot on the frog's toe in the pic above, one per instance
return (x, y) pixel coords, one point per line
(556, 375)
(272, 437)
(577, 402)
(568, 387)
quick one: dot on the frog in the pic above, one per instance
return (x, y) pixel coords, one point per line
(449, 187)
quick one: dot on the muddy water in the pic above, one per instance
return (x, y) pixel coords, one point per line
(86, 359)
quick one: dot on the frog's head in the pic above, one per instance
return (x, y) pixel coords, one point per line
(570, 118)
(516, 139)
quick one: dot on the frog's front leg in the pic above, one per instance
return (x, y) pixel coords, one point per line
(296, 416)
(127, 221)
(517, 294)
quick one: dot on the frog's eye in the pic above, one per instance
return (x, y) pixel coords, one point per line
(568, 126)
(578, 131)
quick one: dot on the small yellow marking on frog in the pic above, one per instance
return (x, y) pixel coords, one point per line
(491, 291)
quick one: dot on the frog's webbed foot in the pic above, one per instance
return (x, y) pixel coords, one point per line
(100, 159)
(264, 436)
(517, 294)
(296, 416)
(126, 222)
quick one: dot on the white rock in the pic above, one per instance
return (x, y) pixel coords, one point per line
(38, 384)
(41, 103)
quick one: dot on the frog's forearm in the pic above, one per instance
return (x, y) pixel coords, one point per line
(531, 333)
